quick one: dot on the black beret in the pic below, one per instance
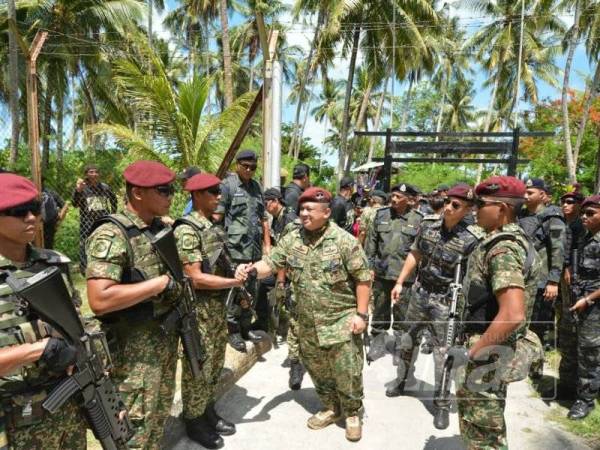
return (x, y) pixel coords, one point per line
(346, 182)
(246, 155)
(405, 189)
(300, 171)
(537, 183)
(273, 194)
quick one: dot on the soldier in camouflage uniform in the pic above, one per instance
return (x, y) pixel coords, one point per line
(567, 327)
(587, 306)
(377, 200)
(131, 292)
(34, 357)
(245, 221)
(545, 225)
(389, 241)
(200, 244)
(331, 280)
(442, 243)
(499, 288)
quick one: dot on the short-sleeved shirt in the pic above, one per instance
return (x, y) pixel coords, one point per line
(324, 267)
(243, 207)
(94, 202)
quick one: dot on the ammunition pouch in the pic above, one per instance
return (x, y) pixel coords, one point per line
(25, 409)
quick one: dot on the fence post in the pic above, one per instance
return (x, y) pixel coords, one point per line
(514, 153)
(387, 161)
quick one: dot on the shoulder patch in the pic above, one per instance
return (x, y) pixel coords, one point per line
(187, 242)
(100, 247)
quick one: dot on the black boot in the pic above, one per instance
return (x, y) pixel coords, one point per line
(198, 430)
(296, 375)
(236, 341)
(220, 425)
(254, 335)
(580, 409)
(396, 390)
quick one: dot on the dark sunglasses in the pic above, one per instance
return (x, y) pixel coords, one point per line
(455, 205)
(590, 212)
(214, 190)
(166, 190)
(479, 203)
(34, 207)
(248, 166)
(568, 201)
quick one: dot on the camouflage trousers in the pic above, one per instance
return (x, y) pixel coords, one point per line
(335, 370)
(63, 430)
(588, 354)
(383, 311)
(567, 340)
(426, 311)
(145, 361)
(292, 339)
(197, 393)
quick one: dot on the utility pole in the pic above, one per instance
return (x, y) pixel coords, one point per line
(13, 75)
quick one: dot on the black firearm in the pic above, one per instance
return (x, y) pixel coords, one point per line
(183, 315)
(367, 343)
(441, 418)
(575, 291)
(227, 265)
(48, 296)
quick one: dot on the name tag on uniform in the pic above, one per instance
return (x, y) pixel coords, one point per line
(301, 249)
(330, 250)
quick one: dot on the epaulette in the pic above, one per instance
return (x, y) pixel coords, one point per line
(476, 231)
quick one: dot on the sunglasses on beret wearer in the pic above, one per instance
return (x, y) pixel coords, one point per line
(166, 190)
(34, 207)
(480, 203)
(455, 205)
(568, 201)
(215, 190)
(248, 166)
(590, 212)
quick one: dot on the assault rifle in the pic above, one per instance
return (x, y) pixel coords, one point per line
(48, 296)
(575, 292)
(441, 419)
(227, 265)
(183, 315)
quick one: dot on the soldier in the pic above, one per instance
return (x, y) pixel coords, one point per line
(567, 328)
(33, 358)
(130, 291)
(499, 288)
(442, 243)
(285, 220)
(389, 241)
(300, 181)
(200, 243)
(587, 308)
(377, 200)
(545, 225)
(330, 278)
(342, 209)
(245, 221)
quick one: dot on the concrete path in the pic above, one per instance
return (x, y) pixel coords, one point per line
(270, 416)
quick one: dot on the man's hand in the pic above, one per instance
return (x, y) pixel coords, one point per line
(579, 306)
(357, 325)
(241, 272)
(396, 291)
(58, 355)
(79, 185)
(459, 355)
(567, 275)
(551, 291)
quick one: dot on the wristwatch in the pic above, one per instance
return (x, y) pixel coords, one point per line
(364, 317)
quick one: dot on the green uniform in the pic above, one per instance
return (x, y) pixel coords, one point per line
(144, 356)
(202, 243)
(324, 267)
(388, 243)
(367, 217)
(26, 425)
(501, 260)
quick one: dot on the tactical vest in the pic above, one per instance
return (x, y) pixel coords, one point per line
(19, 325)
(482, 306)
(143, 264)
(533, 225)
(588, 265)
(211, 249)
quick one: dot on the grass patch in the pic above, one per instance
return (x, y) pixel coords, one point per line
(588, 428)
(80, 285)
(552, 359)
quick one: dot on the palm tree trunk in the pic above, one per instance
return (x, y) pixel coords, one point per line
(438, 125)
(301, 135)
(46, 128)
(377, 119)
(488, 118)
(346, 114)
(227, 66)
(13, 87)
(60, 113)
(597, 184)
(571, 168)
(304, 81)
(589, 98)
(407, 104)
(73, 114)
(361, 124)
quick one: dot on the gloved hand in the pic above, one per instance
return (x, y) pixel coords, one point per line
(58, 355)
(459, 355)
(173, 289)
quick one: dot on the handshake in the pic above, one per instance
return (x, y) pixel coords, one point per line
(245, 272)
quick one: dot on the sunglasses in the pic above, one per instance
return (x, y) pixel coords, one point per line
(214, 190)
(568, 201)
(590, 212)
(479, 203)
(166, 190)
(453, 203)
(249, 167)
(22, 211)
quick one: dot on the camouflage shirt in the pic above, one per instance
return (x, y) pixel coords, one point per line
(324, 267)
(503, 259)
(204, 248)
(389, 241)
(367, 217)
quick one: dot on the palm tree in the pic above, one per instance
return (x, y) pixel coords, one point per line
(13, 68)
(459, 111)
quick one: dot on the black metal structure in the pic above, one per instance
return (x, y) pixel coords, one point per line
(505, 150)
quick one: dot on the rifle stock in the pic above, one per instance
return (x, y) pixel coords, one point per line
(48, 296)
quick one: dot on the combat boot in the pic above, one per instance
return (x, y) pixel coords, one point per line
(198, 430)
(296, 375)
(580, 409)
(396, 390)
(353, 428)
(236, 341)
(322, 419)
(254, 335)
(220, 425)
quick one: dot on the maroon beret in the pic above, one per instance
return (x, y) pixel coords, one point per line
(592, 200)
(501, 186)
(16, 190)
(148, 174)
(461, 190)
(315, 194)
(574, 193)
(201, 181)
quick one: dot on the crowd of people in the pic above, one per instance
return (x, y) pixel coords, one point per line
(341, 269)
